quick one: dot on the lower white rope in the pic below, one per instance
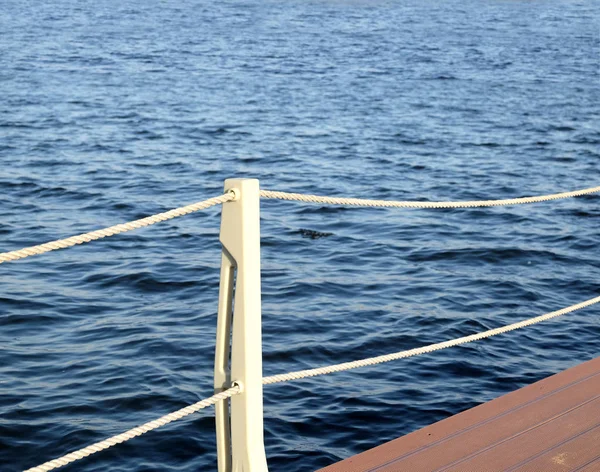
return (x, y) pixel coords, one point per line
(300, 197)
(301, 374)
(137, 431)
(112, 230)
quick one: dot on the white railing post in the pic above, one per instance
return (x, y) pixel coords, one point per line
(238, 353)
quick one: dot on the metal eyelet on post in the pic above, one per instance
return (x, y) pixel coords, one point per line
(236, 194)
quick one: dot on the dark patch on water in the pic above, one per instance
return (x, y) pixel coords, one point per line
(312, 234)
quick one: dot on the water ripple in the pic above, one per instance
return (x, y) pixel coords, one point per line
(113, 111)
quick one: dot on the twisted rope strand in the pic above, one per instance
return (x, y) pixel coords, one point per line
(301, 374)
(137, 431)
(411, 204)
(112, 230)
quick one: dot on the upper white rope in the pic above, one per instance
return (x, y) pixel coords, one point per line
(301, 374)
(137, 431)
(112, 230)
(150, 220)
(300, 197)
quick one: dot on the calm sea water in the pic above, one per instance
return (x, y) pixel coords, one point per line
(113, 110)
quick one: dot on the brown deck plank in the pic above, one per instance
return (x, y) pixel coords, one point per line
(592, 466)
(551, 425)
(580, 452)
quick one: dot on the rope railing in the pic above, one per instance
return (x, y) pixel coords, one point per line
(247, 228)
(112, 230)
(302, 374)
(137, 431)
(300, 197)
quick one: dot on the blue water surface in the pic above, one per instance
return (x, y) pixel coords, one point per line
(114, 110)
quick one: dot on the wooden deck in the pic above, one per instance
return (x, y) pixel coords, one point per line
(550, 426)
